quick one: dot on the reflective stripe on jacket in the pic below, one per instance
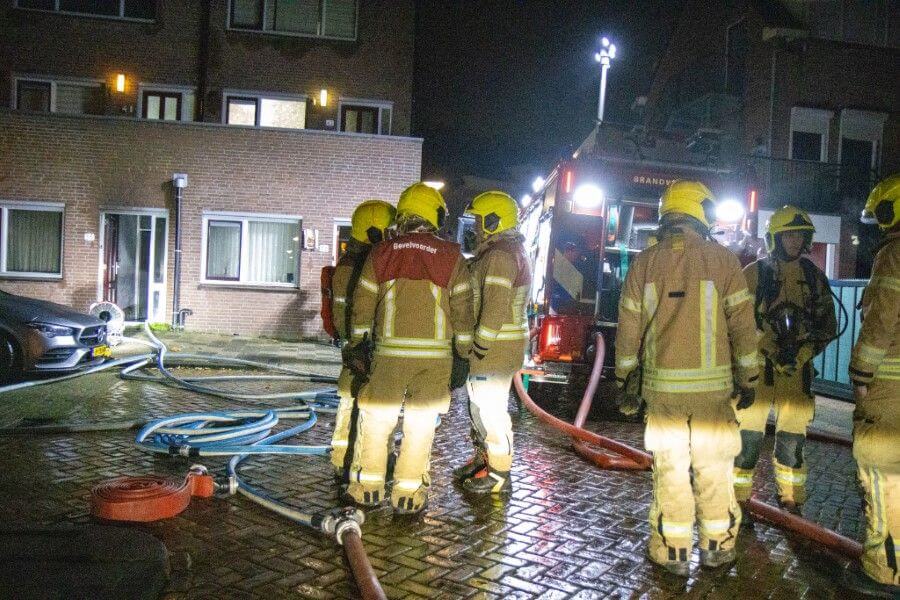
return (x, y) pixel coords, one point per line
(876, 354)
(685, 303)
(414, 298)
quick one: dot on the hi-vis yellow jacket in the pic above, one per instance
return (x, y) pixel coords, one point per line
(876, 355)
(414, 299)
(501, 278)
(686, 307)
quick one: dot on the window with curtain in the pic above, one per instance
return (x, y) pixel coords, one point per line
(32, 239)
(83, 98)
(223, 250)
(261, 111)
(253, 250)
(317, 18)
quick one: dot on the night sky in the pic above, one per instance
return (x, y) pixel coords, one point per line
(504, 83)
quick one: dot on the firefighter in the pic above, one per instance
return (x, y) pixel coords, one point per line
(413, 304)
(368, 226)
(500, 281)
(686, 346)
(875, 373)
(795, 321)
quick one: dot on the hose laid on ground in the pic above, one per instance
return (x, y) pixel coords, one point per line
(632, 458)
(237, 433)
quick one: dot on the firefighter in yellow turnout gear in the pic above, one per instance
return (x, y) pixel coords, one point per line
(501, 277)
(686, 345)
(875, 372)
(795, 321)
(412, 306)
(368, 225)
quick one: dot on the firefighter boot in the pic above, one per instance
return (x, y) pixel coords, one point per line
(488, 481)
(681, 568)
(411, 473)
(717, 558)
(471, 467)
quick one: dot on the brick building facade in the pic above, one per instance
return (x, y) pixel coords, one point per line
(803, 94)
(282, 120)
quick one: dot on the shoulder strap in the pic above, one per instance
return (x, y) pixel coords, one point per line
(811, 275)
(359, 262)
(766, 289)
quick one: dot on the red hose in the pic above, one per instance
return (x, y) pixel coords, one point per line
(633, 458)
(363, 574)
(790, 522)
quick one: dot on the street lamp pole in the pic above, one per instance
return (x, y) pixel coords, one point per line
(604, 57)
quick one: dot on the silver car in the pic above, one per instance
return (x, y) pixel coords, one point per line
(41, 336)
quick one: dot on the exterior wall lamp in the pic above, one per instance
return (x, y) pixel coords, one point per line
(120, 82)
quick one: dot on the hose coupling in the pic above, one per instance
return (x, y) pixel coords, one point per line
(341, 520)
(226, 486)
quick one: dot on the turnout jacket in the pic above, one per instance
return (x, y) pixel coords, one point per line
(343, 282)
(501, 278)
(876, 354)
(414, 299)
(686, 318)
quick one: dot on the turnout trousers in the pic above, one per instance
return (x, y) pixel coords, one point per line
(876, 448)
(421, 388)
(794, 410)
(694, 439)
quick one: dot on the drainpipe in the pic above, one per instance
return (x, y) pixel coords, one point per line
(179, 182)
(203, 62)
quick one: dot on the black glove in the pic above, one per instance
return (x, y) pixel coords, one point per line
(746, 397)
(629, 403)
(358, 358)
(459, 374)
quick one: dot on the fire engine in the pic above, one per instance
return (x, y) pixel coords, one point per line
(583, 228)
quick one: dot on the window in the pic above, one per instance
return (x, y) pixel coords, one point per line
(318, 18)
(166, 103)
(252, 250)
(144, 10)
(342, 235)
(73, 97)
(809, 133)
(262, 111)
(361, 116)
(806, 145)
(31, 240)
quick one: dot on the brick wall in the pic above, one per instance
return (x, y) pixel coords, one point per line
(377, 65)
(93, 162)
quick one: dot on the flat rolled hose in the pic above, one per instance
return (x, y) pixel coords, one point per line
(363, 574)
(641, 460)
(812, 531)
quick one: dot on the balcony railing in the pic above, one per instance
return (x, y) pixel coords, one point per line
(811, 185)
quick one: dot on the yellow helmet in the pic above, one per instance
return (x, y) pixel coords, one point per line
(422, 201)
(690, 198)
(371, 220)
(883, 205)
(498, 211)
(788, 218)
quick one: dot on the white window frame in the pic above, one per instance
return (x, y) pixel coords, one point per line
(259, 97)
(810, 120)
(53, 81)
(336, 242)
(165, 89)
(245, 218)
(120, 17)
(317, 35)
(381, 105)
(863, 125)
(5, 207)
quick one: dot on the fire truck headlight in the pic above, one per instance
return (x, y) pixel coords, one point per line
(588, 195)
(729, 211)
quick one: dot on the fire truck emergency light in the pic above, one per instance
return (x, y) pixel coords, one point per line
(537, 184)
(588, 196)
(526, 200)
(730, 211)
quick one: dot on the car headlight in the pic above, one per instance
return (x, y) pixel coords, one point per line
(52, 331)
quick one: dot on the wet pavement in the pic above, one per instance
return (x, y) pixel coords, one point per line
(569, 530)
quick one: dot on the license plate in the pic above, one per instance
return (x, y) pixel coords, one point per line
(101, 352)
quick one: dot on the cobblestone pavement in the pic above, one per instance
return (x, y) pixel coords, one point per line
(569, 530)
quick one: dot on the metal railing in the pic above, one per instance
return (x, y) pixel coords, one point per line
(833, 364)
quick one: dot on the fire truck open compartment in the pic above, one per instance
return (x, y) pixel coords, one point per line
(583, 230)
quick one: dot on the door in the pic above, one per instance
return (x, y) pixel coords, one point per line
(134, 264)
